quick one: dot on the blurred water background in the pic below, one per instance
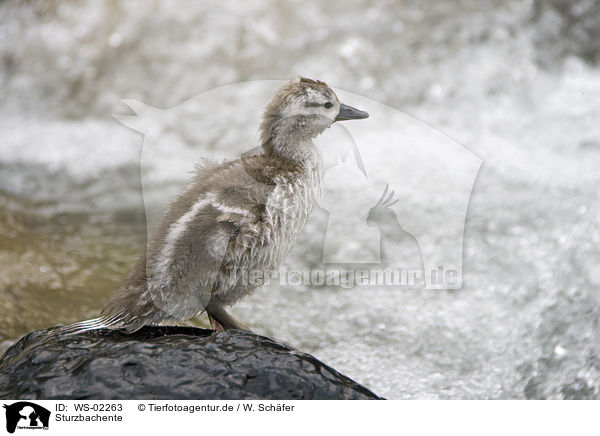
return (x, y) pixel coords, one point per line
(515, 82)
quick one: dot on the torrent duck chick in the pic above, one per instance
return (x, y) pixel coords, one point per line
(232, 219)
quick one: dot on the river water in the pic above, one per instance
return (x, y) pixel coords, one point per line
(516, 83)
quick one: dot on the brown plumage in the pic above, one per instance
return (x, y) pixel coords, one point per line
(232, 218)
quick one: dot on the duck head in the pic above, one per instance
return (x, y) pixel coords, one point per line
(301, 110)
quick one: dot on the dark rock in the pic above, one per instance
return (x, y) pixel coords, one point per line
(166, 363)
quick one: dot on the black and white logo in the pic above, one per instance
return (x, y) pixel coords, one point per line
(26, 415)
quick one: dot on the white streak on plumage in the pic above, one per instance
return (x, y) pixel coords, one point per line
(176, 230)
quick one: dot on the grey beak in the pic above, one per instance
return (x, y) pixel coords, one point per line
(350, 113)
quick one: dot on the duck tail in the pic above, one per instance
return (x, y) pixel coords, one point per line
(103, 322)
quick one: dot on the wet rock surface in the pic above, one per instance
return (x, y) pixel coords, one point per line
(166, 363)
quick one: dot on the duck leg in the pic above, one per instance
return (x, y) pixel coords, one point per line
(220, 320)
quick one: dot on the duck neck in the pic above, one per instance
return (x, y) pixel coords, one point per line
(301, 151)
(289, 138)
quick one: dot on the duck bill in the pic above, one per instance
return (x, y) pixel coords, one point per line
(350, 113)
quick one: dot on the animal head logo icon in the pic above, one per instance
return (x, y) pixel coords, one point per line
(26, 415)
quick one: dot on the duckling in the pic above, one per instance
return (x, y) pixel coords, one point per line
(232, 218)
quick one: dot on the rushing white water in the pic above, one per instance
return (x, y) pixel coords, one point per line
(517, 84)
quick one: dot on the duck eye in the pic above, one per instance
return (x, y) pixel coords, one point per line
(328, 105)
